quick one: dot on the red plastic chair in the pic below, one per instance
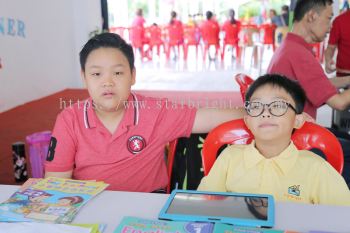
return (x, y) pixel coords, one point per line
(231, 38)
(250, 37)
(190, 39)
(248, 32)
(309, 136)
(120, 31)
(170, 162)
(244, 82)
(210, 35)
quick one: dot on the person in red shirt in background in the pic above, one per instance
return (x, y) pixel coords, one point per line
(174, 20)
(210, 30)
(339, 39)
(176, 32)
(231, 28)
(231, 20)
(211, 23)
(295, 59)
(138, 33)
(139, 21)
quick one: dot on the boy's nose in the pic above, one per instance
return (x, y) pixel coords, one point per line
(108, 82)
(266, 115)
(266, 112)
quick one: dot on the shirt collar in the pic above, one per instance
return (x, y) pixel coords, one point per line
(299, 40)
(131, 115)
(89, 114)
(285, 161)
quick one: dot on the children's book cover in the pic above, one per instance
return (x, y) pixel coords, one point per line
(225, 228)
(95, 228)
(134, 224)
(51, 200)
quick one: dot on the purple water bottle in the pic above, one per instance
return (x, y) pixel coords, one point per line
(38, 144)
(19, 162)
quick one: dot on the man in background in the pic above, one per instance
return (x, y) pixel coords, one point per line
(339, 39)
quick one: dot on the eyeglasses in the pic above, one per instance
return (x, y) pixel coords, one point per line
(276, 108)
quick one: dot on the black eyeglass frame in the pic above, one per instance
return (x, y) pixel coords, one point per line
(247, 103)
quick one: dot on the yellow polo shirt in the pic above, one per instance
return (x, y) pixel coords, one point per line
(294, 175)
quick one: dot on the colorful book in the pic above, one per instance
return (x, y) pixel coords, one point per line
(140, 225)
(39, 227)
(30, 182)
(134, 224)
(49, 200)
(94, 228)
(225, 228)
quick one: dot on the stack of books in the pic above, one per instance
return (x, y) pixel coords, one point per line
(51, 200)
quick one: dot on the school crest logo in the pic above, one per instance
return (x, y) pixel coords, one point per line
(136, 144)
(294, 190)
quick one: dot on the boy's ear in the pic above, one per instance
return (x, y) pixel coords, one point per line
(82, 75)
(133, 76)
(299, 121)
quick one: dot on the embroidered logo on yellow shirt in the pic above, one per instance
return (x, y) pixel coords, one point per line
(293, 193)
(294, 190)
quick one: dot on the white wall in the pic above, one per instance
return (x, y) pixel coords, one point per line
(39, 50)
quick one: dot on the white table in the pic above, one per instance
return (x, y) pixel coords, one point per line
(109, 207)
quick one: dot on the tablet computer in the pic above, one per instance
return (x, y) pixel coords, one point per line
(241, 209)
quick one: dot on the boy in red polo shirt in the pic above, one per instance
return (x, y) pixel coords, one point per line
(116, 136)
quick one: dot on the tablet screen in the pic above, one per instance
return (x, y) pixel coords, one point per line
(242, 207)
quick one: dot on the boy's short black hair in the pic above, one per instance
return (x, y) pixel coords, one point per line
(107, 40)
(292, 87)
(304, 6)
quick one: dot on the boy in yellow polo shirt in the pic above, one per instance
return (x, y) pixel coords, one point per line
(272, 164)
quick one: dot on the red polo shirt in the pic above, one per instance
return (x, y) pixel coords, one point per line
(340, 36)
(295, 59)
(210, 30)
(231, 31)
(130, 159)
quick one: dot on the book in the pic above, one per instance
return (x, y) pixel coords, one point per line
(226, 228)
(94, 227)
(134, 224)
(141, 225)
(49, 200)
(37, 227)
(30, 182)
